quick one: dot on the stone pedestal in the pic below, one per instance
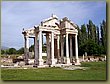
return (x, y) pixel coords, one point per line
(35, 62)
(71, 59)
(26, 61)
(48, 61)
(53, 62)
(59, 60)
(62, 60)
(41, 61)
(67, 60)
(77, 62)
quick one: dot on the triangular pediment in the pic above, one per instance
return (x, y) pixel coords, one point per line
(69, 23)
(50, 22)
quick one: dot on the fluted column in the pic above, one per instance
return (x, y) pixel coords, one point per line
(67, 50)
(36, 53)
(58, 49)
(71, 50)
(40, 48)
(76, 50)
(26, 49)
(62, 48)
(52, 49)
(76, 46)
(48, 61)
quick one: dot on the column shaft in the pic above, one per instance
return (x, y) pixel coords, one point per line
(40, 48)
(76, 49)
(58, 49)
(76, 46)
(62, 48)
(67, 50)
(52, 49)
(36, 53)
(26, 49)
(71, 50)
(48, 48)
(52, 45)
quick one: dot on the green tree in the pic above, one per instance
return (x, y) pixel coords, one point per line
(31, 48)
(82, 38)
(44, 48)
(7, 51)
(20, 51)
(89, 39)
(103, 35)
(2, 51)
(12, 51)
(79, 35)
(92, 47)
(91, 31)
(83, 34)
(98, 38)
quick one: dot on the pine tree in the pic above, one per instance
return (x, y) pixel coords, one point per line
(91, 30)
(89, 39)
(98, 38)
(79, 35)
(103, 35)
(83, 34)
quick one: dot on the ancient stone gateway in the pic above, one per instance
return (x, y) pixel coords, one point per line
(57, 32)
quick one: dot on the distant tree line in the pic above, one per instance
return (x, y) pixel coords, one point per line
(12, 51)
(91, 39)
(20, 51)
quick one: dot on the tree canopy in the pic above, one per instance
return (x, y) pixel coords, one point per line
(90, 39)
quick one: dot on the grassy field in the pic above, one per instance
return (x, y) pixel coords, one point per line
(97, 71)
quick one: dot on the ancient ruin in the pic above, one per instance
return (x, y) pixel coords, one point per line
(57, 32)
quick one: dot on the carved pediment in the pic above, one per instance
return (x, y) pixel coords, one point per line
(50, 22)
(53, 24)
(69, 24)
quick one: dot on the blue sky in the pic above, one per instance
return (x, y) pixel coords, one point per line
(25, 14)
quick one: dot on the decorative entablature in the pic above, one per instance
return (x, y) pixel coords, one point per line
(67, 26)
(67, 30)
(52, 24)
(29, 32)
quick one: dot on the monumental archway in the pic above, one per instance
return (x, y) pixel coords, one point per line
(55, 31)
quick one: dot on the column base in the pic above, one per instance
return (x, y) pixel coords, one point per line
(71, 59)
(77, 62)
(48, 61)
(26, 61)
(67, 60)
(58, 60)
(62, 60)
(35, 62)
(53, 62)
(40, 62)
